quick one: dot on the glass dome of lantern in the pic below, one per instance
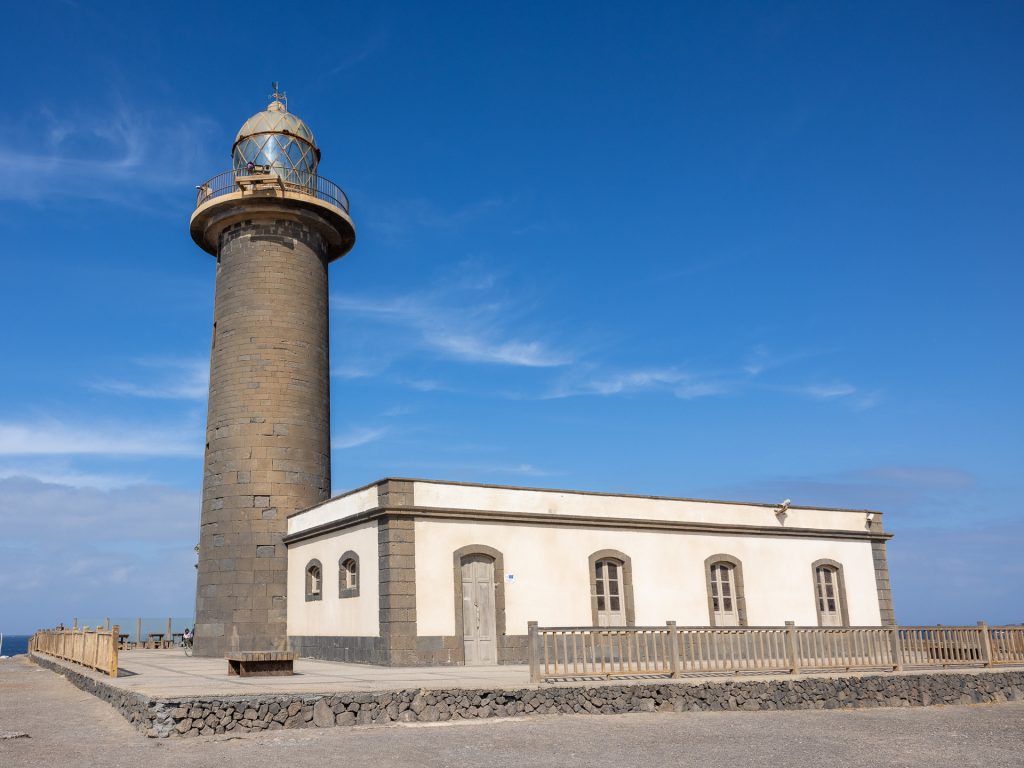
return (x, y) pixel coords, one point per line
(278, 142)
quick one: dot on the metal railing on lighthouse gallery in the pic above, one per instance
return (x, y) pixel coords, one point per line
(288, 180)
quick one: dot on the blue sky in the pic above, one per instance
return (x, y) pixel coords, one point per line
(743, 251)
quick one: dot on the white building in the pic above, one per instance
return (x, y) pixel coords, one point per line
(427, 572)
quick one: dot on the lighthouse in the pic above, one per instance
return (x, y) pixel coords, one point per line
(274, 224)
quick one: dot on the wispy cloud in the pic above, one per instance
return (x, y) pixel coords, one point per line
(762, 359)
(475, 471)
(357, 436)
(59, 473)
(924, 477)
(940, 515)
(109, 153)
(693, 390)
(839, 391)
(424, 385)
(463, 346)
(865, 400)
(355, 54)
(399, 410)
(682, 384)
(123, 547)
(357, 370)
(175, 380)
(827, 391)
(969, 592)
(471, 333)
(55, 438)
(467, 318)
(932, 493)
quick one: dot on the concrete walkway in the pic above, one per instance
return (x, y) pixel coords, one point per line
(169, 673)
(45, 721)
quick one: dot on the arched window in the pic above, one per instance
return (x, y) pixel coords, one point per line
(830, 594)
(611, 589)
(314, 580)
(726, 602)
(348, 575)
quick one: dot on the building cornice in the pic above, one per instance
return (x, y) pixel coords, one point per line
(578, 521)
(605, 494)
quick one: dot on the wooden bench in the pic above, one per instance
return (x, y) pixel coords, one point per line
(260, 663)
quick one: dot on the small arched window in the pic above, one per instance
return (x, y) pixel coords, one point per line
(830, 594)
(314, 580)
(726, 602)
(348, 575)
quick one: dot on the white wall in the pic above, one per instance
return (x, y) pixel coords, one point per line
(331, 615)
(552, 581)
(337, 508)
(434, 494)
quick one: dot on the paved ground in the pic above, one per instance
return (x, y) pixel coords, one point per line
(66, 726)
(172, 673)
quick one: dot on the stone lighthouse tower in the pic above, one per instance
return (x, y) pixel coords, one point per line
(273, 224)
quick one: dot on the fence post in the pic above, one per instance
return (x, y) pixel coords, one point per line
(673, 650)
(533, 651)
(167, 637)
(895, 649)
(794, 654)
(114, 639)
(986, 643)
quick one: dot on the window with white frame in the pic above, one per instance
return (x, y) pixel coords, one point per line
(314, 580)
(350, 574)
(608, 584)
(724, 602)
(828, 591)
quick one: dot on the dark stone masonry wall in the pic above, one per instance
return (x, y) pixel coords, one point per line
(268, 446)
(209, 716)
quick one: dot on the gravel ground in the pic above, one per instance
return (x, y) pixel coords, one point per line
(67, 726)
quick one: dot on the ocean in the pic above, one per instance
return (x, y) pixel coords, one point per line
(14, 644)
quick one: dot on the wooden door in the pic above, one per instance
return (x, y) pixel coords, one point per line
(479, 629)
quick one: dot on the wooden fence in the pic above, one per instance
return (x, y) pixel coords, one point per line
(558, 653)
(96, 649)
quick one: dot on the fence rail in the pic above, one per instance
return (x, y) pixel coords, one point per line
(558, 653)
(96, 649)
(1007, 645)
